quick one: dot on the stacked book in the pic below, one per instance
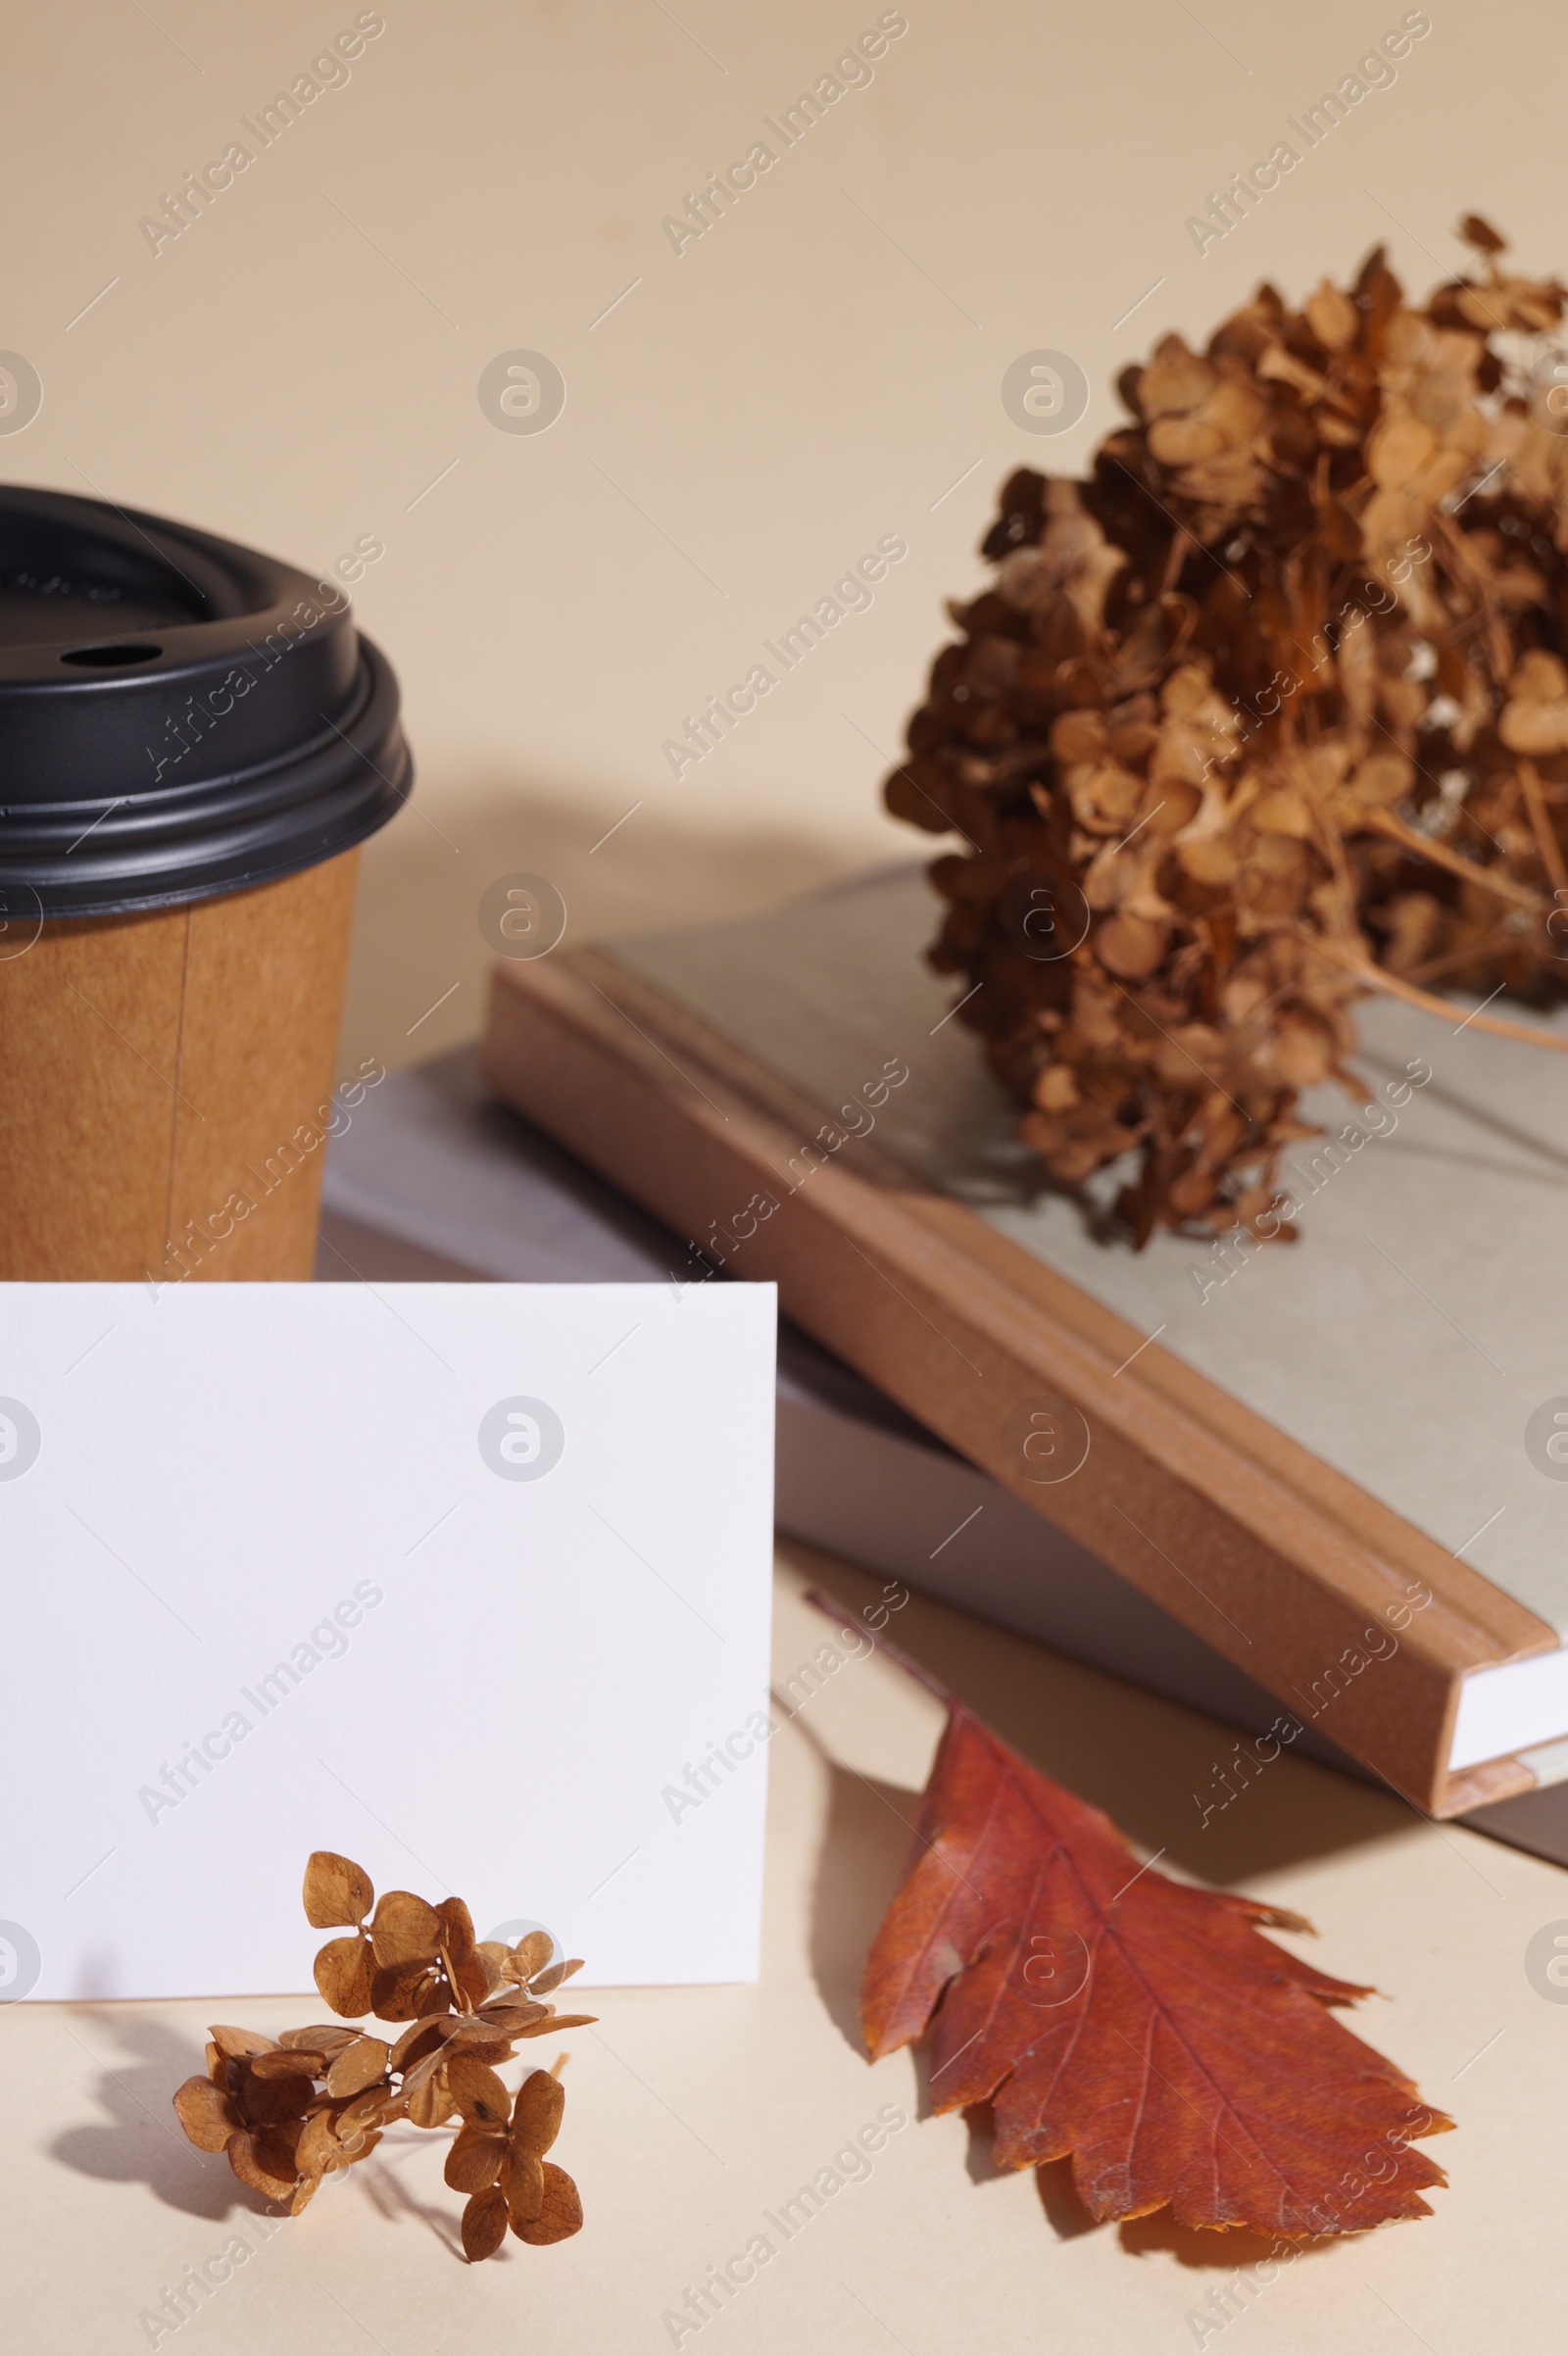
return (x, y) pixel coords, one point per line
(1314, 1489)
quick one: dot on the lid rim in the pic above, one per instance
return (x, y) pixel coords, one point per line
(217, 887)
(312, 753)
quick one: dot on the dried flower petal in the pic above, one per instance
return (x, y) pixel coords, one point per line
(484, 2223)
(343, 1971)
(271, 2101)
(408, 1991)
(506, 2018)
(472, 1979)
(421, 2039)
(1481, 234)
(236, 2044)
(336, 1890)
(377, 2106)
(560, 2210)
(360, 2065)
(536, 2112)
(427, 2095)
(471, 2033)
(522, 2181)
(207, 2113)
(405, 1930)
(266, 2162)
(540, 1984)
(318, 2148)
(327, 2037)
(458, 1936)
(532, 1953)
(288, 2061)
(476, 2091)
(474, 2159)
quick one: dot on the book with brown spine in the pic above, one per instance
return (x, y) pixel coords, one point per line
(1293, 1449)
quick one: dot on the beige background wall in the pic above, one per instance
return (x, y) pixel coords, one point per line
(813, 374)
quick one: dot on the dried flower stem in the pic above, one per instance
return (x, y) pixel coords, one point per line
(1547, 841)
(1374, 977)
(1426, 847)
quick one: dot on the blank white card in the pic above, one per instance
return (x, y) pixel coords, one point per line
(461, 1579)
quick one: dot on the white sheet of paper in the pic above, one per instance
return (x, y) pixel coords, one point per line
(279, 1570)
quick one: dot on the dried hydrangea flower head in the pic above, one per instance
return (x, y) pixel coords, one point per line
(1271, 710)
(290, 2110)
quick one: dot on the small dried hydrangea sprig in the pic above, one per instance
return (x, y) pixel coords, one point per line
(289, 2110)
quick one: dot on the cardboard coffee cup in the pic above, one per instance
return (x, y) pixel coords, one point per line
(195, 740)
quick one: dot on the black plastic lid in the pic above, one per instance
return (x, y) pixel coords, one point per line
(178, 717)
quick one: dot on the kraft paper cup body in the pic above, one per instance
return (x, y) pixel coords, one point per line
(194, 741)
(166, 1086)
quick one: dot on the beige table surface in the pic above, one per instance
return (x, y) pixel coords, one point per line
(693, 2112)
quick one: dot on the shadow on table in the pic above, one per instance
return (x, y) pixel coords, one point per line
(378, 2181)
(139, 2140)
(419, 967)
(1224, 2253)
(1166, 1775)
(863, 1849)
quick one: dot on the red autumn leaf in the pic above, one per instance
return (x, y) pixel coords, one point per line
(1138, 2025)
